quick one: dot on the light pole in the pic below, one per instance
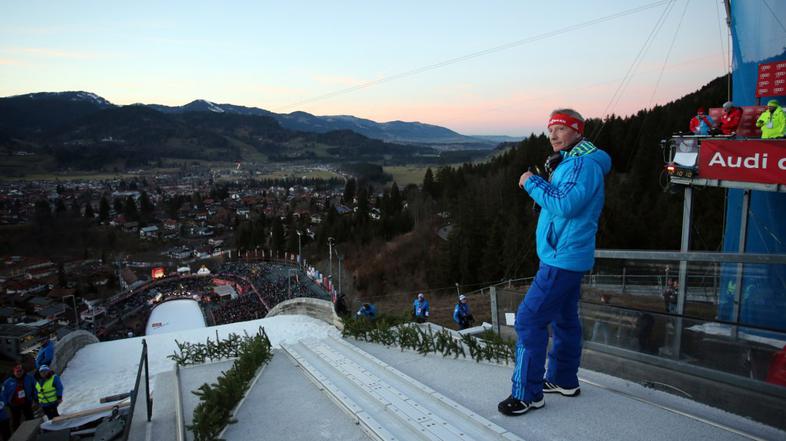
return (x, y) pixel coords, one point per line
(299, 253)
(330, 256)
(338, 256)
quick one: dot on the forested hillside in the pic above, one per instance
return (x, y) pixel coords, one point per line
(493, 224)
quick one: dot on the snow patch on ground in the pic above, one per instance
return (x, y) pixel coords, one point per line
(109, 368)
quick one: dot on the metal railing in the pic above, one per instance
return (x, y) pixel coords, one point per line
(143, 365)
(707, 325)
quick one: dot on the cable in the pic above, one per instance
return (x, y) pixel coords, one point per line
(470, 56)
(618, 93)
(632, 149)
(720, 33)
(668, 53)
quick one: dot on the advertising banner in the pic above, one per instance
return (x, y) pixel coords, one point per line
(761, 161)
(772, 79)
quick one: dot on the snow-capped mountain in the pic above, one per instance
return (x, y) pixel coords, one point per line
(70, 96)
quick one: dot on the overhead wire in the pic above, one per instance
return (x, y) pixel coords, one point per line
(720, 34)
(633, 66)
(632, 151)
(668, 53)
(477, 54)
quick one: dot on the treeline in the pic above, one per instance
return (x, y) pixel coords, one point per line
(493, 224)
(493, 234)
(369, 216)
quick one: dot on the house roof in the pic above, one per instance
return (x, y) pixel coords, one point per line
(40, 301)
(15, 330)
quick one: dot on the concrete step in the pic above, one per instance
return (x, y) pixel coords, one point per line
(387, 403)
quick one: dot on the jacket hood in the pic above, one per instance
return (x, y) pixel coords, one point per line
(603, 159)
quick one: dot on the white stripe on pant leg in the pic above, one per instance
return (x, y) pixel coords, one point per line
(520, 350)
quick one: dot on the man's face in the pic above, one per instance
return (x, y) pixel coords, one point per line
(771, 108)
(562, 137)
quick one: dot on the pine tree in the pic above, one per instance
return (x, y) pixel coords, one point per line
(145, 206)
(61, 275)
(429, 186)
(291, 234)
(349, 192)
(89, 214)
(42, 212)
(129, 209)
(103, 209)
(76, 210)
(277, 238)
(395, 199)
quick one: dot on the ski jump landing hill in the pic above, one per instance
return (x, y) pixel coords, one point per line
(320, 386)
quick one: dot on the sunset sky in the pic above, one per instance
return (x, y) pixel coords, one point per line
(491, 67)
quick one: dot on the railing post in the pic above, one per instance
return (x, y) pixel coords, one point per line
(743, 236)
(148, 401)
(494, 313)
(623, 279)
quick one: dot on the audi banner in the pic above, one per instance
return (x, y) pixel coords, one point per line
(762, 161)
(772, 79)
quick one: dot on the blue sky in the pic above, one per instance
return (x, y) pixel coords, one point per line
(275, 55)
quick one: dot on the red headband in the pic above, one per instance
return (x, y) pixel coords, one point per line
(567, 120)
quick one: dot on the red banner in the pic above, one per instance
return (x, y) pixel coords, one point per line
(772, 79)
(750, 161)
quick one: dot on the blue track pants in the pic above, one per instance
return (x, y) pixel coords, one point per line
(552, 299)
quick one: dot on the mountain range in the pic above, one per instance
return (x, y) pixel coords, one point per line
(60, 108)
(81, 130)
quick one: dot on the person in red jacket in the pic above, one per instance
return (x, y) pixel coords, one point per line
(701, 124)
(730, 119)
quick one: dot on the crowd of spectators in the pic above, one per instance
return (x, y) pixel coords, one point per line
(258, 285)
(243, 308)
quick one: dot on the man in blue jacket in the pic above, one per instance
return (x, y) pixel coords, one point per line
(367, 311)
(420, 308)
(5, 425)
(18, 394)
(45, 355)
(571, 202)
(461, 314)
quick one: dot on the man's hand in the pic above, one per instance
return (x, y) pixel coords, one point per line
(524, 178)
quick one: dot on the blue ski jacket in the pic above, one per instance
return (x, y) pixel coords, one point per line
(420, 308)
(45, 355)
(570, 207)
(460, 311)
(9, 387)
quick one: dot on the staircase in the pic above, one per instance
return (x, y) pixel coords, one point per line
(388, 404)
